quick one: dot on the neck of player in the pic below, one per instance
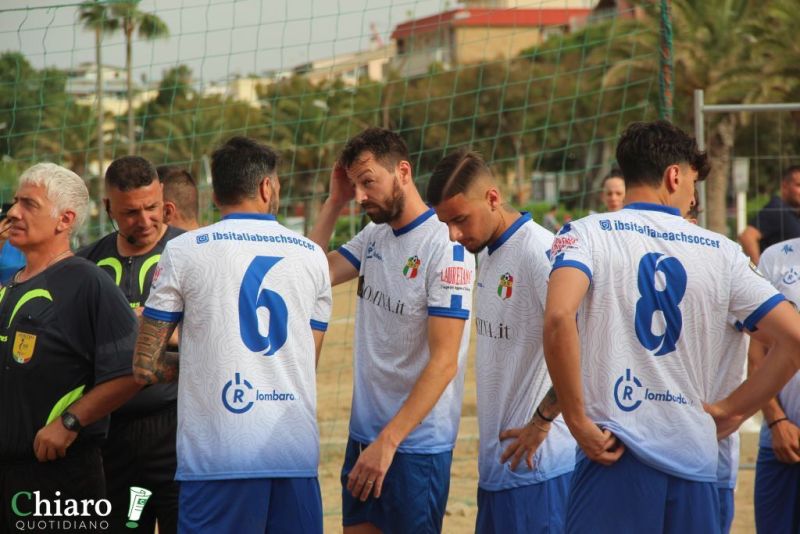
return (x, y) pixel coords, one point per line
(413, 208)
(505, 217)
(649, 195)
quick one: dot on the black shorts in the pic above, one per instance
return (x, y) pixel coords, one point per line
(141, 452)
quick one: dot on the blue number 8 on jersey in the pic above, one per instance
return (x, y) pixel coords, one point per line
(666, 301)
(250, 299)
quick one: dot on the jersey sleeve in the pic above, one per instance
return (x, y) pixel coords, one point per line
(115, 328)
(321, 314)
(449, 282)
(571, 248)
(766, 265)
(354, 250)
(165, 302)
(752, 296)
(539, 267)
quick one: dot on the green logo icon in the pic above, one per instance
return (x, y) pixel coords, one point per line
(139, 497)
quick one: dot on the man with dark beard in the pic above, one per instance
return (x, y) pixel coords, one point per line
(408, 377)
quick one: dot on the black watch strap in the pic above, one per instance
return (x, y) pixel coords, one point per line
(71, 422)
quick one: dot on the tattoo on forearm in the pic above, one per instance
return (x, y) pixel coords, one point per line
(151, 361)
(549, 406)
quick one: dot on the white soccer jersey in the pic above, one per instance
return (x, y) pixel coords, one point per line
(511, 372)
(249, 292)
(780, 264)
(661, 291)
(730, 364)
(406, 276)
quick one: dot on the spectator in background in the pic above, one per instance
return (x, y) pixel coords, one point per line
(180, 197)
(613, 193)
(550, 221)
(778, 221)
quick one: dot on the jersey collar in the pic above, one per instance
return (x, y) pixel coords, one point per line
(257, 216)
(649, 206)
(511, 230)
(413, 224)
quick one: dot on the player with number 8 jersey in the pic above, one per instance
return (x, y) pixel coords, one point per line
(652, 293)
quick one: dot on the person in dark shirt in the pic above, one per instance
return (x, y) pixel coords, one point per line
(140, 450)
(66, 338)
(778, 221)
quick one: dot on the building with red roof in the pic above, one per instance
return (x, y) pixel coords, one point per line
(477, 34)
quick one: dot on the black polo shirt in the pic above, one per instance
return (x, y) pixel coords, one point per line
(61, 333)
(134, 275)
(777, 221)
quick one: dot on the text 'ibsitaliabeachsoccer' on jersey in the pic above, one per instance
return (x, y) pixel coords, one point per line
(249, 292)
(658, 304)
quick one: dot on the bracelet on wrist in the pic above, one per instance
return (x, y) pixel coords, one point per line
(542, 417)
(776, 421)
(543, 429)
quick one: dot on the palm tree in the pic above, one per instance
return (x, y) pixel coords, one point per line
(713, 51)
(95, 17)
(148, 26)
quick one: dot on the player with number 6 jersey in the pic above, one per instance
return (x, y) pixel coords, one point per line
(253, 299)
(652, 293)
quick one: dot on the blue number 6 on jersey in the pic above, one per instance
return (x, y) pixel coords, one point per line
(665, 300)
(250, 299)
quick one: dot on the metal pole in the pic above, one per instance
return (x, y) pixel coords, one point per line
(700, 135)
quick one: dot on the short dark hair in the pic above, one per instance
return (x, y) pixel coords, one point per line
(180, 189)
(454, 174)
(615, 172)
(646, 149)
(130, 172)
(789, 171)
(238, 167)
(386, 146)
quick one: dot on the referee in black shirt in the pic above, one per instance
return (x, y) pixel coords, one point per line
(67, 337)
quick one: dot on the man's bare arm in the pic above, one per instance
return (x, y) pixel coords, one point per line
(750, 239)
(782, 325)
(52, 440)
(568, 286)
(152, 363)
(444, 340)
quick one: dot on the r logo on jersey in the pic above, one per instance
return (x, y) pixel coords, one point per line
(504, 288)
(605, 224)
(412, 267)
(624, 392)
(24, 345)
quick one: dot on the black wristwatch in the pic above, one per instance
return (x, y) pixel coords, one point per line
(70, 422)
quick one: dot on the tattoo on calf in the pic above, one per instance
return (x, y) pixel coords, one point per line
(152, 363)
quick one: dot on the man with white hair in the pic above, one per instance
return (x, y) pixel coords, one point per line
(66, 339)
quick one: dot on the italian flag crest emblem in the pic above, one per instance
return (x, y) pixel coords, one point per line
(504, 288)
(412, 267)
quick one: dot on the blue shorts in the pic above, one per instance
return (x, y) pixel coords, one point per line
(538, 508)
(726, 508)
(413, 498)
(274, 505)
(630, 496)
(776, 494)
